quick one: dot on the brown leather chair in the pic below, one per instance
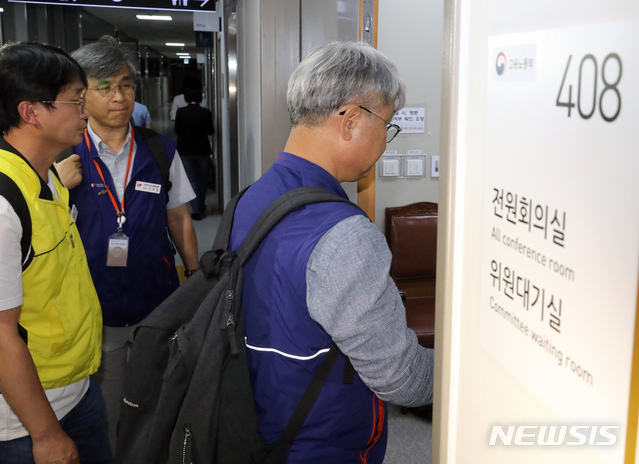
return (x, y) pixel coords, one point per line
(411, 232)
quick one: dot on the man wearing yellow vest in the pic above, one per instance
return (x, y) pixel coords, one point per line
(50, 318)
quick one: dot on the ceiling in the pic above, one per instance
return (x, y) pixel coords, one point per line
(154, 34)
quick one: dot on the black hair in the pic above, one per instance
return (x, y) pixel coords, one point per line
(34, 72)
(189, 81)
(193, 93)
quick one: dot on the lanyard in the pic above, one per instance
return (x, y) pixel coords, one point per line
(121, 219)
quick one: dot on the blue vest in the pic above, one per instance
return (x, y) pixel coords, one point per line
(127, 294)
(285, 346)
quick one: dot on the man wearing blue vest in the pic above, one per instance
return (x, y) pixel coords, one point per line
(322, 274)
(50, 320)
(128, 218)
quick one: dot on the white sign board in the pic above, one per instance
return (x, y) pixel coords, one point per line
(205, 21)
(560, 233)
(411, 120)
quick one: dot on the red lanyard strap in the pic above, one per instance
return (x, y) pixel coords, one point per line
(118, 211)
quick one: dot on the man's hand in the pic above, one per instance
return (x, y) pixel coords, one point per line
(70, 171)
(55, 448)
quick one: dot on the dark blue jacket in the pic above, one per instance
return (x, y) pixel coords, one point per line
(348, 422)
(127, 294)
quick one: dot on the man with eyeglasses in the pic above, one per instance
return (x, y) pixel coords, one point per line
(127, 219)
(50, 319)
(322, 275)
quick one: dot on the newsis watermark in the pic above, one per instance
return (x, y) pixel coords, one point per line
(553, 435)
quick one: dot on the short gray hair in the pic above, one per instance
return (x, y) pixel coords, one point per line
(105, 58)
(339, 73)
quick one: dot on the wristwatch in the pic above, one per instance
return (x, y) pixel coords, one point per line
(189, 272)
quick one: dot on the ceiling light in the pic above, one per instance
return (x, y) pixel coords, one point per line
(174, 44)
(154, 17)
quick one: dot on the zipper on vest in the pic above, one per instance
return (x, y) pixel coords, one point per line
(72, 242)
(379, 413)
(186, 458)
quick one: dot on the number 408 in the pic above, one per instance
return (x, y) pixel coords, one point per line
(587, 106)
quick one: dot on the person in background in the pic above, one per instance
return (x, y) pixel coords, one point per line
(179, 101)
(322, 275)
(141, 116)
(50, 320)
(193, 125)
(128, 221)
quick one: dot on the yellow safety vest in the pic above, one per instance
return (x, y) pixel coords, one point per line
(61, 311)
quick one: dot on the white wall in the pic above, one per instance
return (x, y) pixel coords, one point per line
(410, 32)
(475, 391)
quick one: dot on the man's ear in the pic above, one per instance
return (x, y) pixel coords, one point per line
(28, 112)
(349, 122)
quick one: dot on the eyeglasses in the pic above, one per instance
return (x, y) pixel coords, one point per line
(109, 90)
(391, 129)
(81, 102)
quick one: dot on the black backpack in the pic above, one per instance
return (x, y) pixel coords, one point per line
(12, 193)
(187, 395)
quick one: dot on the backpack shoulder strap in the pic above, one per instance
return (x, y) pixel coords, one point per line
(223, 237)
(12, 193)
(209, 262)
(283, 447)
(159, 154)
(283, 205)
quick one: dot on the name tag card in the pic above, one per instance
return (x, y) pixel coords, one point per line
(148, 187)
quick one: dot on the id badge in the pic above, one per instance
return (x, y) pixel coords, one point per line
(118, 250)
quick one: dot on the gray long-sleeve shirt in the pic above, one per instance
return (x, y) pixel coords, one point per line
(351, 295)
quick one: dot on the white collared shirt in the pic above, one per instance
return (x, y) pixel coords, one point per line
(181, 191)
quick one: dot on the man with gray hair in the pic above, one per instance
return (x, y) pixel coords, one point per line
(127, 219)
(322, 274)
